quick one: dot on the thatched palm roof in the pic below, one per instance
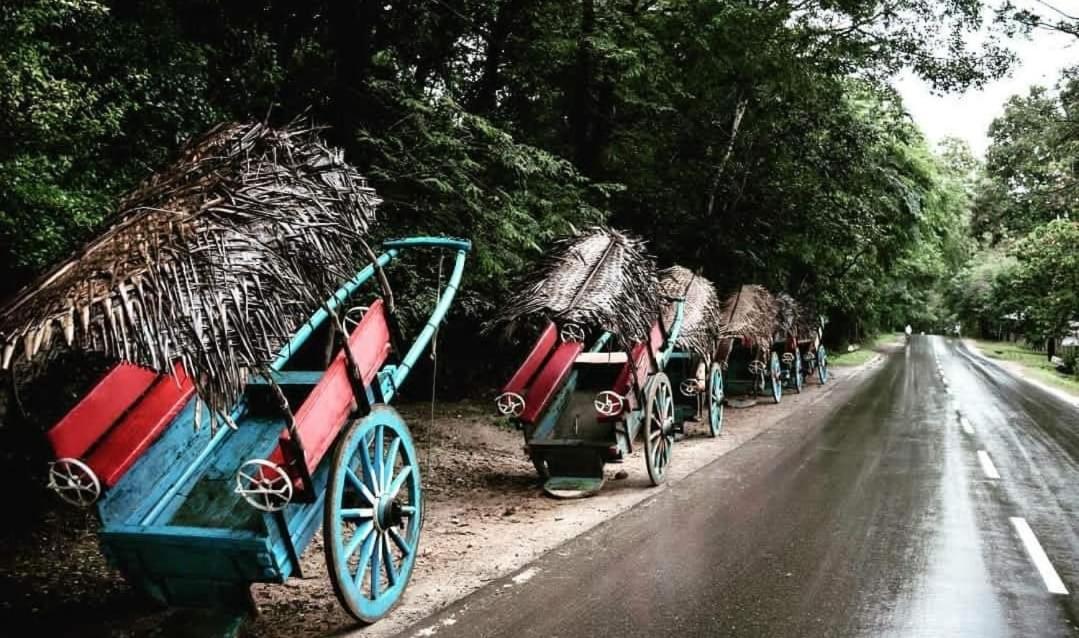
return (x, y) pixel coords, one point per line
(750, 312)
(599, 278)
(793, 318)
(703, 312)
(215, 260)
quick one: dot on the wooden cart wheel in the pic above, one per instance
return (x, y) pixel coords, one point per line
(799, 375)
(777, 377)
(715, 399)
(373, 514)
(822, 364)
(658, 427)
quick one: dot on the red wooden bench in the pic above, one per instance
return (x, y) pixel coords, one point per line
(331, 402)
(116, 422)
(538, 379)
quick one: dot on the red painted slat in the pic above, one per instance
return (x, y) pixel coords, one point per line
(643, 365)
(326, 409)
(140, 427)
(523, 377)
(92, 417)
(550, 379)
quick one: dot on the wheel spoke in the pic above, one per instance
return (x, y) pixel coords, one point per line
(358, 512)
(379, 443)
(387, 558)
(391, 457)
(360, 487)
(400, 542)
(365, 553)
(358, 537)
(376, 568)
(402, 476)
(369, 476)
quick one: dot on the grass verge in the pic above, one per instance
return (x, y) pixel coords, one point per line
(865, 350)
(1033, 362)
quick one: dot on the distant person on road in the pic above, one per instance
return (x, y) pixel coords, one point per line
(908, 331)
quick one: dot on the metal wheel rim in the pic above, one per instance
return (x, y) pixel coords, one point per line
(777, 380)
(715, 400)
(373, 514)
(658, 429)
(799, 379)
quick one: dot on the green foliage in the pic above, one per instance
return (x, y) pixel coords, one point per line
(1046, 280)
(758, 142)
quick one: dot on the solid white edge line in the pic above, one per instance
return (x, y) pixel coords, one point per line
(987, 465)
(1037, 555)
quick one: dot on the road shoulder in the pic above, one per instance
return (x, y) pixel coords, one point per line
(1018, 371)
(476, 534)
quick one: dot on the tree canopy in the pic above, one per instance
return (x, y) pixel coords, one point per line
(757, 141)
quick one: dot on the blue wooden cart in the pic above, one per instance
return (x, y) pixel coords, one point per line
(193, 517)
(582, 408)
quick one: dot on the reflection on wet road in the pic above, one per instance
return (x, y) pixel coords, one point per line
(939, 497)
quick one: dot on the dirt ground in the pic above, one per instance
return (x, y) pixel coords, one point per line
(486, 517)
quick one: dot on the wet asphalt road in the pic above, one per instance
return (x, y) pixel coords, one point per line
(886, 515)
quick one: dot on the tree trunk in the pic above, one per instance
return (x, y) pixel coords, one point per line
(739, 113)
(582, 110)
(485, 99)
(352, 27)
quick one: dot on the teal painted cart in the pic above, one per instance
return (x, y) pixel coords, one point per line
(582, 407)
(192, 517)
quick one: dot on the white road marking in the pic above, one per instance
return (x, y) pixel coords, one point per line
(987, 465)
(525, 576)
(966, 426)
(1037, 554)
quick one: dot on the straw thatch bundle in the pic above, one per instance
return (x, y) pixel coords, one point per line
(702, 315)
(600, 278)
(215, 261)
(793, 318)
(750, 312)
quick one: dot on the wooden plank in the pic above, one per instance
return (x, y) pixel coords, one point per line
(290, 378)
(550, 379)
(92, 417)
(331, 402)
(141, 426)
(521, 379)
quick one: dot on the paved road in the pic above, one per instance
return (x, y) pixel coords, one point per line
(916, 507)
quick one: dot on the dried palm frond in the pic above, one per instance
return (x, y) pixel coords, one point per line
(215, 261)
(793, 318)
(600, 278)
(750, 312)
(702, 315)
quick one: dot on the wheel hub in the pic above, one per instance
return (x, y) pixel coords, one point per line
(388, 514)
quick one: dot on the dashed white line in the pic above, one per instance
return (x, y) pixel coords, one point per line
(1037, 554)
(987, 465)
(966, 426)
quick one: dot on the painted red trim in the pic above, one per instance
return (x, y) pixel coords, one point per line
(327, 408)
(544, 346)
(141, 426)
(550, 379)
(95, 414)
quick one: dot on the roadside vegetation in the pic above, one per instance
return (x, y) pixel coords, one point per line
(1022, 280)
(756, 142)
(1032, 361)
(866, 350)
